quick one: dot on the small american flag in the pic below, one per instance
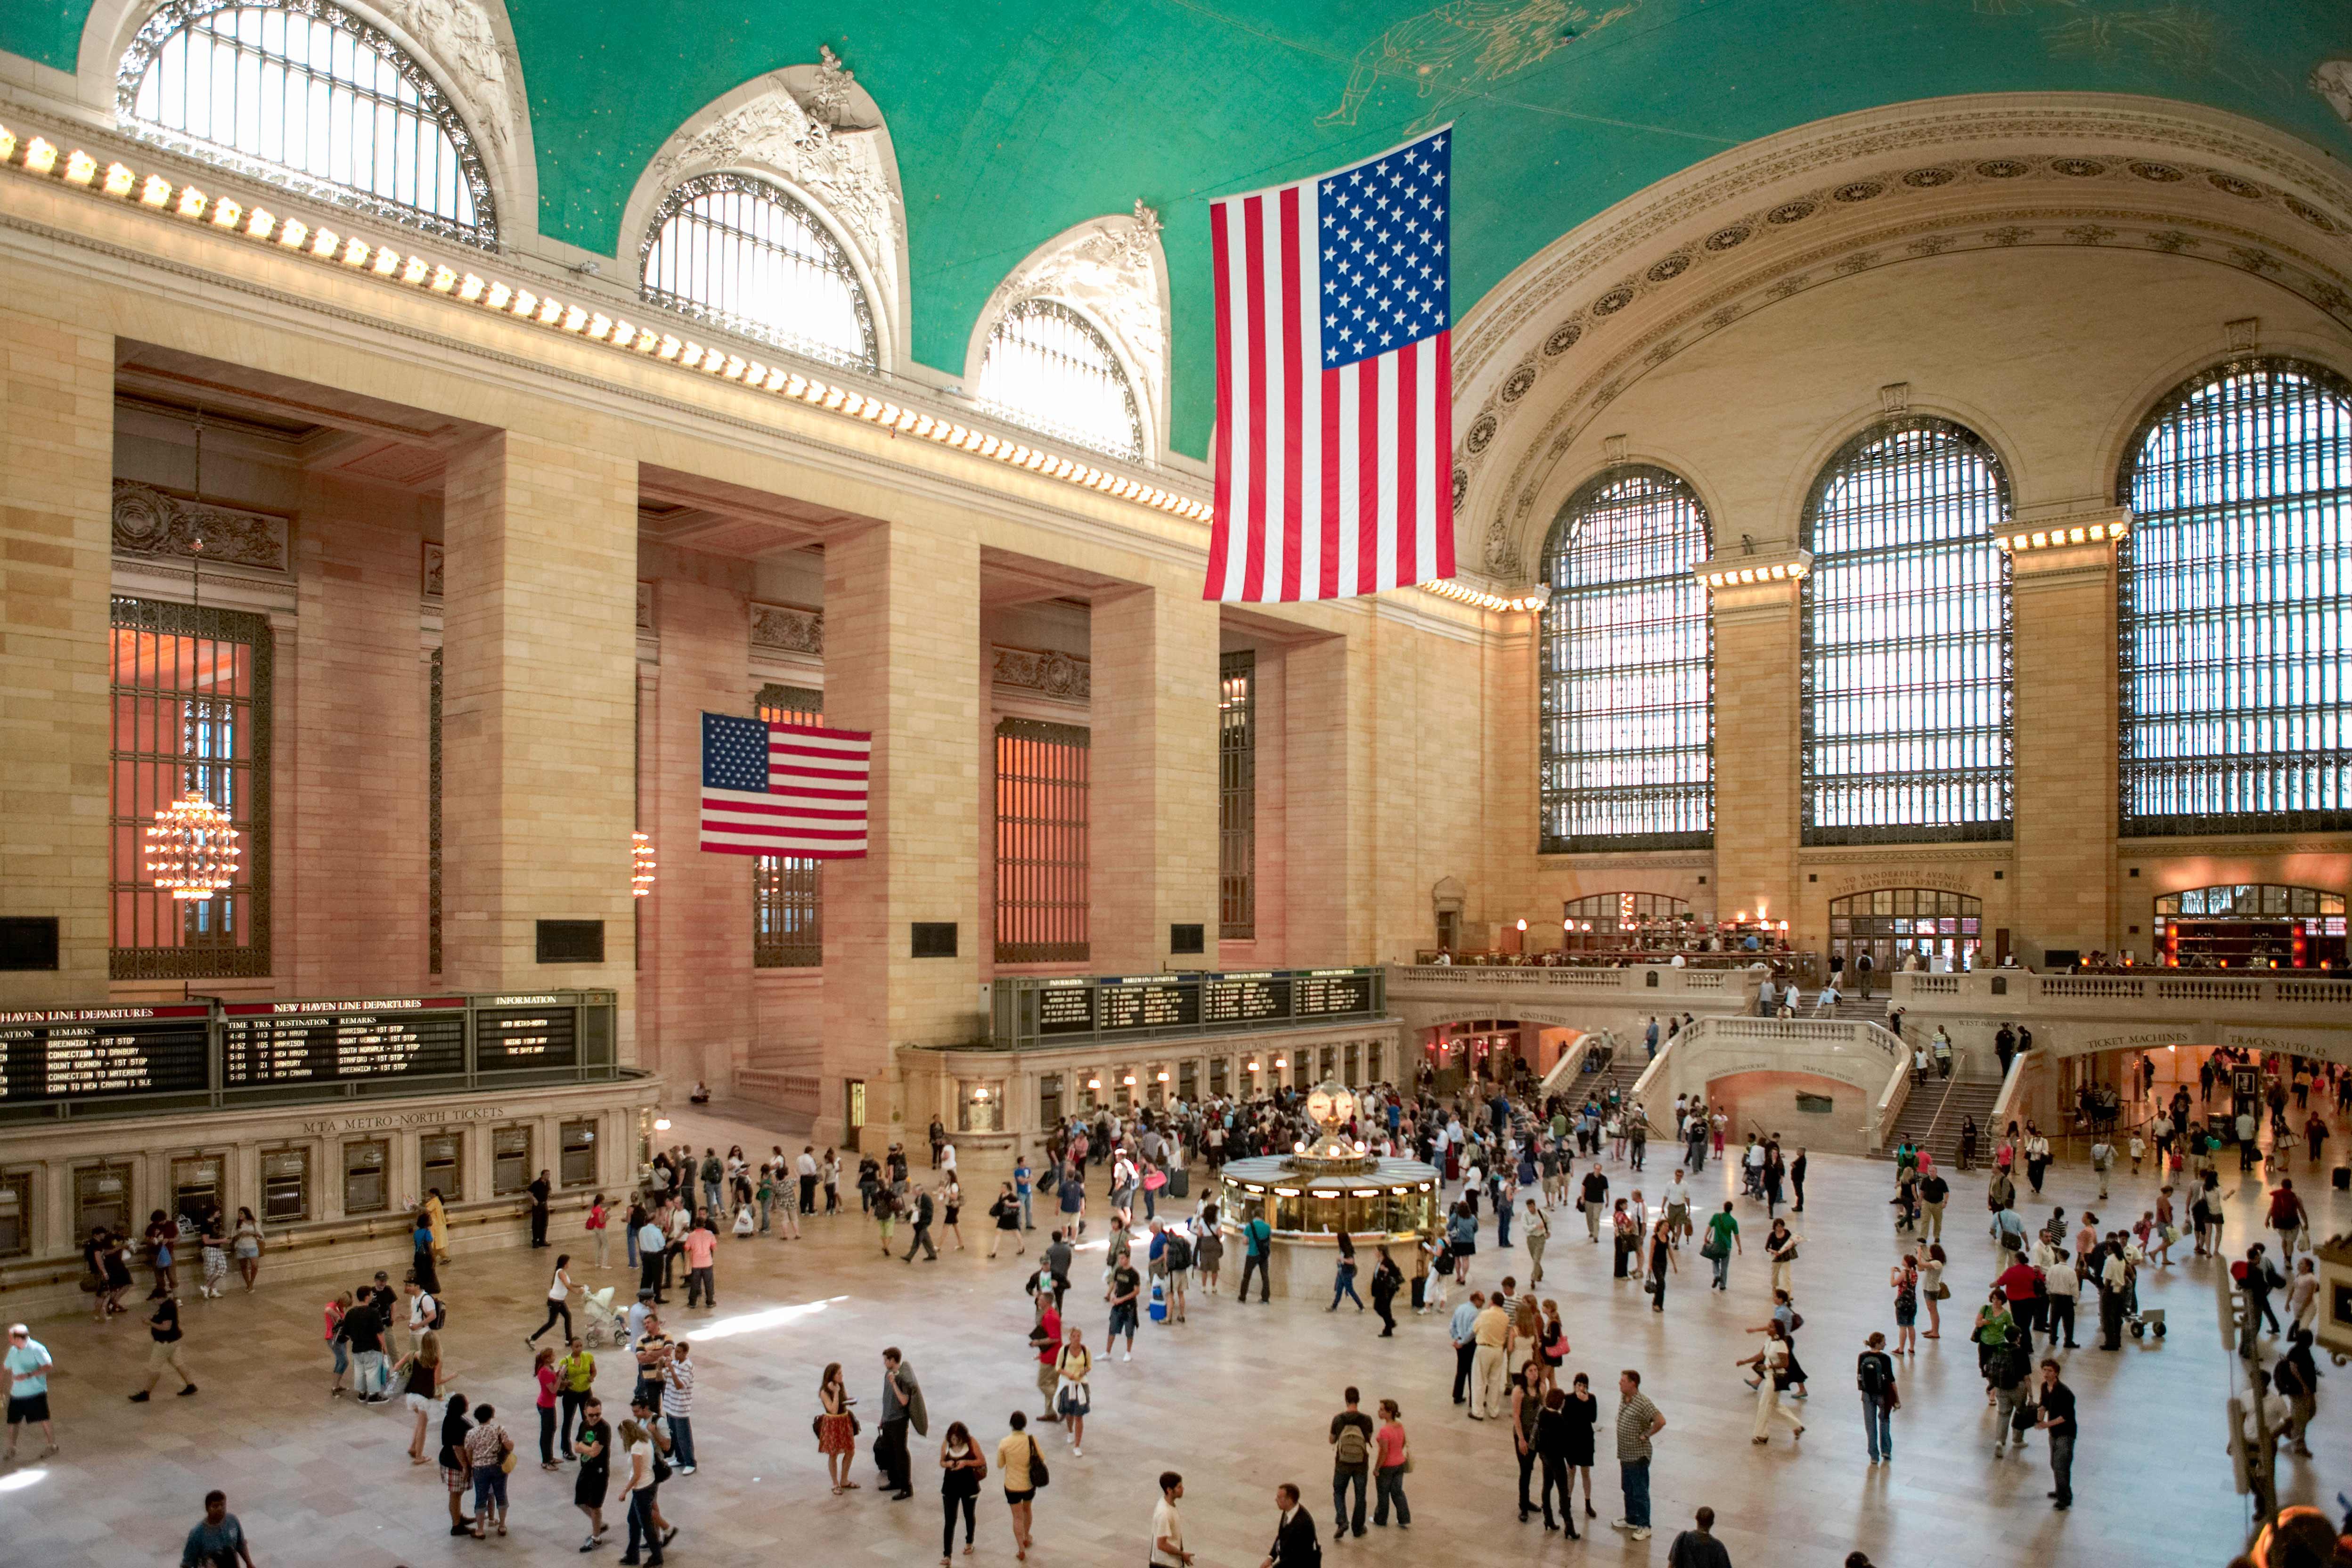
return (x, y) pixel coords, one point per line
(1335, 382)
(782, 789)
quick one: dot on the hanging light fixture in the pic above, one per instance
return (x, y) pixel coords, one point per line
(640, 864)
(192, 850)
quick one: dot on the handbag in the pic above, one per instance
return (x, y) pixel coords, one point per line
(1039, 1476)
(2022, 1420)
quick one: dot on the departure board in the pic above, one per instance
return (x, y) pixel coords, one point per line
(75, 1053)
(336, 1042)
(525, 1032)
(1066, 1008)
(1326, 992)
(1245, 998)
(1148, 1002)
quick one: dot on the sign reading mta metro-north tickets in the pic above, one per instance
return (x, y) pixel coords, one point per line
(80, 1052)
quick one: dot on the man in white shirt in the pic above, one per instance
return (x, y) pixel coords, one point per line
(421, 1311)
(1167, 1529)
(805, 1168)
(947, 1159)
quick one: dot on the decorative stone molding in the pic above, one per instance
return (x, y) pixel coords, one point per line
(1113, 271)
(2332, 79)
(1045, 672)
(434, 556)
(149, 521)
(644, 606)
(815, 129)
(790, 629)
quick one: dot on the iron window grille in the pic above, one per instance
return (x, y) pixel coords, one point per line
(1049, 368)
(744, 255)
(304, 95)
(1041, 842)
(1628, 663)
(191, 702)
(2233, 603)
(1237, 797)
(788, 890)
(1906, 651)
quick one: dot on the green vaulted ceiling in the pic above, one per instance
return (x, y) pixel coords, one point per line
(1015, 119)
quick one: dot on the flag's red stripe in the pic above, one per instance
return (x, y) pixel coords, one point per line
(1440, 449)
(1367, 475)
(1256, 516)
(1294, 393)
(1408, 420)
(1221, 526)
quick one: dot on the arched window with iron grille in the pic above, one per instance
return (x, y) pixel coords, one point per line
(745, 255)
(1049, 368)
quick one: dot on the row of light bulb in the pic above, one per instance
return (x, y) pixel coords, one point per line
(1534, 598)
(43, 157)
(1785, 571)
(2050, 537)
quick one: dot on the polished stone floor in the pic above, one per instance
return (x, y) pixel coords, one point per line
(1238, 1399)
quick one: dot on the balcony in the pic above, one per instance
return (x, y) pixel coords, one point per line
(2070, 1013)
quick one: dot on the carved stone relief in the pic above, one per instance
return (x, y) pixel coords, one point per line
(149, 521)
(458, 36)
(790, 629)
(1046, 673)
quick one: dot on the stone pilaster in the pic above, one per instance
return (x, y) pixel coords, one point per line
(902, 636)
(1328, 825)
(1153, 843)
(57, 470)
(2062, 602)
(539, 672)
(1756, 752)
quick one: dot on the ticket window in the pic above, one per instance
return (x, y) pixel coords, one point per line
(286, 1186)
(1155, 1088)
(1352, 1080)
(1188, 1081)
(578, 1166)
(16, 1214)
(979, 1107)
(510, 1170)
(1373, 1062)
(367, 1186)
(1218, 1079)
(196, 1189)
(102, 1197)
(1049, 1100)
(441, 1165)
(1330, 1064)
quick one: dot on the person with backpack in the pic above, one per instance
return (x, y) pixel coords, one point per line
(1351, 1464)
(1006, 1212)
(1874, 1374)
(1257, 1242)
(1177, 1259)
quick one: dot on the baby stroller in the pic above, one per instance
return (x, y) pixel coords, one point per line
(606, 1327)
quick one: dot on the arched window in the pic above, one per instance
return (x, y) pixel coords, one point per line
(742, 253)
(1905, 641)
(1048, 367)
(305, 95)
(1628, 701)
(2235, 605)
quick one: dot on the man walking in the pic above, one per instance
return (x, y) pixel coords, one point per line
(1539, 1232)
(29, 1365)
(2057, 1418)
(218, 1540)
(1294, 1545)
(1934, 1193)
(1167, 1526)
(1351, 1466)
(1596, 1201)
(921, 1202)
(1638, 1422)
(1698, 1548)
(1464, 1329)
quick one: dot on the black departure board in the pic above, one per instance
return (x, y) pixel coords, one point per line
(526, 1032)
(1324, 992)
(1148, 1002)
(1066, 1007)
(75, 1053)
(338, 1042)
(1245, 998)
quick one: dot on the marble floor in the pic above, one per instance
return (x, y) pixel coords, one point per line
(1237, 1400)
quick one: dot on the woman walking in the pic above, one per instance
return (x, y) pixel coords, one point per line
(1387, 1281)
(637, 1491)
(558, 1300)
(1993, 1326)
(1527, 1410)
(1780, 1246)
(246, 1243)
(1343, 1278)
(599, 1226)
(454, 1464)
(162, 1235)
(1392, 1452)
(1022, 1467)
(110, 1271)
(422, 1366)
(544, 1372)
(1552, 1349)
(1661, 1262)
(1006, 1212)
(487, 1449)
(1076, 1398)
(1771, 1363)
(836, 1428)
(951, 1205)
(212, 1235)
(163, 1331)
(1209, 1251)
(961, 1465)
(1905, 1277)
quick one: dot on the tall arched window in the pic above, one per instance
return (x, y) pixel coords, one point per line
(1048, 367)
(1906, 642)
(1628, 703)
(742, 253)
(2235, 605)
(305, 95)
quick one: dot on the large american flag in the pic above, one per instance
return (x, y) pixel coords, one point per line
(782, 789)
(1335, 382)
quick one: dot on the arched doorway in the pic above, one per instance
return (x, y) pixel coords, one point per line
(1893, 923)
(1612, 922)
(2258, 925)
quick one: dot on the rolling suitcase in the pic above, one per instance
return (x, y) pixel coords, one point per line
(1179, 1183)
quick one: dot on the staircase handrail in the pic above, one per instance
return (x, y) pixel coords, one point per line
(1891, 1101)
(2004, 1105)
(1572, 1060)
(1635, 1096)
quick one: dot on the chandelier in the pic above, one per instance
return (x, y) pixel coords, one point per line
(192, 850)
(640, 864)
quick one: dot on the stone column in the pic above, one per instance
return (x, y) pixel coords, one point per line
(538, 683)
(695, 974)
(1755, 756)
(56, 473)
(902, 634)
(1327, 827)
(1153, 840)
(2063, 603)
